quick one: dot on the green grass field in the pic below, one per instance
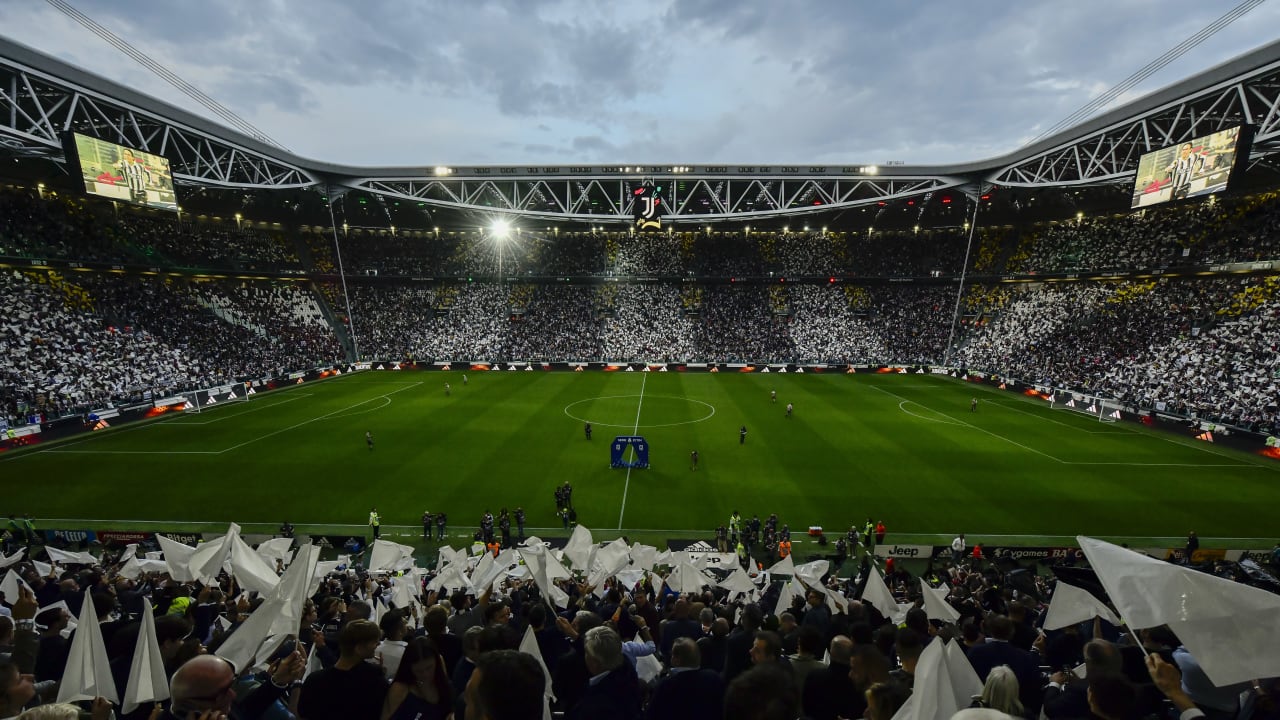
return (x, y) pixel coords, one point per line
(902, 448)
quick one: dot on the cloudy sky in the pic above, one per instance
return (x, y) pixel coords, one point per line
(382, 82)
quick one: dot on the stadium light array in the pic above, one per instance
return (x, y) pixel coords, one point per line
(442, 170)
(500, 228)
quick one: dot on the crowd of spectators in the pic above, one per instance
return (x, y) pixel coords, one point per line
(169, 243)
(377, 645)
(54, 226)
(1199, 347)
(92, 340)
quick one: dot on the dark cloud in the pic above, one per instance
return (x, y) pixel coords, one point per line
(690, 81)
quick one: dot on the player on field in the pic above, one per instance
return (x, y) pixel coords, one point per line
(586, 430)
(973, 404)
(790, 407)
(464, 381)
(693, 460)
(447, 390)
(368, 439)
(773, 396)
(742, 435)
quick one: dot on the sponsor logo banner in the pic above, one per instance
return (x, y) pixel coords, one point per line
(69, 536)
(904, 551)
(1031, 552)
(185, 538)
(702, 548)
(123, 537)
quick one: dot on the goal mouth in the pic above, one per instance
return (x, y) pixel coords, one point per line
(198, 401)
(1104, 410)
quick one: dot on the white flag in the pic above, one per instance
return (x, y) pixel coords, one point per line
(580, 549)
(13, 559)
(1229, 628)
(88, 672)
(12, 581)
(65, 557)
(877, 593)
(178, 557)
(933, 697)
(785, 566)
(390, 556)
(738, 581)
(1072, 605)
(685, 578)
(529, 646)
(250, 569)
(935, 606)
(147, 680)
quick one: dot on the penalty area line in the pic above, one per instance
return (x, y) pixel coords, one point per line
(316, 419)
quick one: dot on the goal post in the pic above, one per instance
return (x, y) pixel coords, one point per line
(198, 401)
(1102, 409)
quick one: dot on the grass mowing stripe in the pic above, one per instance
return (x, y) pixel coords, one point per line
(627, 485)
(326, 416)
(506, 441)
(971, 425)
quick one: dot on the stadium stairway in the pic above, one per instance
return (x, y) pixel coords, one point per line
(339, 327)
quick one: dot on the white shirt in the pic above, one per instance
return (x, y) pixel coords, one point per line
(391, 652)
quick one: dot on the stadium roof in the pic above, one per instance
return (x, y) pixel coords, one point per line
(40, 97)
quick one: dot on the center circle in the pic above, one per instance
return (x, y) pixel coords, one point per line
(620, 411)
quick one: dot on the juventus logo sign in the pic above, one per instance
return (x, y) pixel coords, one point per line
(646, 208)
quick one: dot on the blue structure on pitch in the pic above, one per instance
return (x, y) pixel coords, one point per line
(637, 458)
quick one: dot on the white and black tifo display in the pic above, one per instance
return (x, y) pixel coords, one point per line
(121, 173)
(1199, 166)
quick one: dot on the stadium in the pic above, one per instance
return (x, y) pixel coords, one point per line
(381, 364)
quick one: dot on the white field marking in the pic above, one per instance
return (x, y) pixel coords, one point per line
(1157, 464)
(139, 425)
(1072, 462)
(704, 418)
(1186, 443)
(375, 382)
(627, 485)
(58, 451)
(326, 416)
(1009, 406)
(177, 421)
(975, 427)
(922, 417)
(1199, 445)
(364, 412)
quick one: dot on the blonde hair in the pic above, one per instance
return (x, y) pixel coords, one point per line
(1001, 691)
(56, 711)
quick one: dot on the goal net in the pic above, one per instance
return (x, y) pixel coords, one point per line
(196, 401)
(1102, 409)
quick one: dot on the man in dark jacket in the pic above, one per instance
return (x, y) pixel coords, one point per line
(613, 692)
(689, 691)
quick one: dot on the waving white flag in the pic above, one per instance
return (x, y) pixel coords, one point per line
(147, 681)
(1229, 628)
(88, 672)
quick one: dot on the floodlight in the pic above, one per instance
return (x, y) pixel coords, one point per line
(500, 228)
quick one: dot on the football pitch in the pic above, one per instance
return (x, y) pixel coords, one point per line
(902, 448)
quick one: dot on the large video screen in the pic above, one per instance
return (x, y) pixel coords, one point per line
(1199, 166)
(121, 173)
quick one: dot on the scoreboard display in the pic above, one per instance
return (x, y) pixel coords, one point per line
(1194, 168)
(121, 173)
